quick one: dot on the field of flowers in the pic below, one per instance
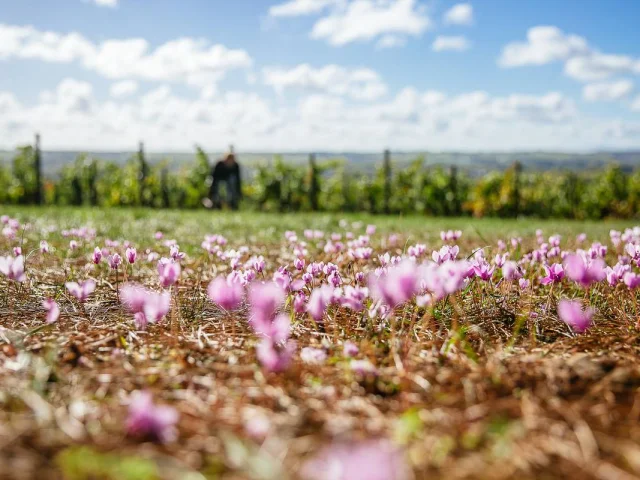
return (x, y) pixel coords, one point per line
(141, 344)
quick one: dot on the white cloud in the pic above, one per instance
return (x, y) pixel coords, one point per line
(71, 117)
(460, 14)
(296, 8)
(365, 20)
(442, 43)
(391, 41)
(597, 66)
(71, 98)
(547, 44)
(123, 89)
(8, 103)
(596, 92)
(189, 60)
(635, 105)
(360, 83)
(106, 3)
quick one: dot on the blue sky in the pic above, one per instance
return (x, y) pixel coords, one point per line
(284, 75)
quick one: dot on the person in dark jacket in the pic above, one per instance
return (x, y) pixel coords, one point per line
(227, 172)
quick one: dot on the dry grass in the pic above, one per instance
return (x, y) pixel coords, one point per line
(471, 403)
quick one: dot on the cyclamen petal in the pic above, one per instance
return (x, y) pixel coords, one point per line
(571, 313)
(225, 293)
(169, 272)
(313, 356)
(365, 460)
(53, 311)
(319, 301)
(151, 421)
(131, 255)
(264, 300)
(273, 357)
(13, 268)
(81, 290)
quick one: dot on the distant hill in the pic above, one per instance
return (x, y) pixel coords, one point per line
(473, 163)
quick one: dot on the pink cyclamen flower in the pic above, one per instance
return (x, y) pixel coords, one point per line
(150, 421)
(175, 253)
(511, 271)
(371, 229)
(17, 251)
(631, 280)
(133, 296)
(81, 290)
(571, 313)
(578, 270)
(73, 245)
(115, 260)
(398, 285)
(146, 305)
(53, 311)
(44, 246)
(274, 357)
(169, 272)
(554, 273)
(313, 356)
(277, 330)
(365, 460)
(264, 300)
(226, 293)
(350, 349)
(483, 270)
(13, 268)
(524, 283)
(363, 367)
(97, 255)
(319, 301)
(300, 302)
(131, 254)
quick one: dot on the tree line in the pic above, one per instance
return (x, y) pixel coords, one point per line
(329, 186)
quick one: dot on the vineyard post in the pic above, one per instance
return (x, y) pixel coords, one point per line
(37, 160)
(453, 188)
(142, 175)
(387, 180)
(164, 186)
(517, 169)
(313, 179)
(92, 180)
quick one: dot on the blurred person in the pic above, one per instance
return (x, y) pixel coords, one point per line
(227, 172)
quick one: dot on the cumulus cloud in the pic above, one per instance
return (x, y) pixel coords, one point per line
(359, 83)
(123, 89)
(8, 103)
(366, 20)
(458, 43)
(192, 60)
(607, 91)
(547, 44)
(460, 14)
(107, 3)
(70, 116)
(296, 8)
(597, 66)
(391, 41)
(103, 3)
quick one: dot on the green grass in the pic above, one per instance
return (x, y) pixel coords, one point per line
(189, 226)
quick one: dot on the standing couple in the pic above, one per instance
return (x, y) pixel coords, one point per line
(226, 172)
